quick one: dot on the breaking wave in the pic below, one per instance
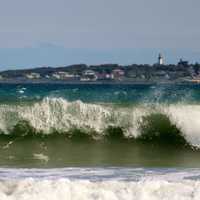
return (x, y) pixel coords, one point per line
(91, 183)
(174, 123)
(87, 190)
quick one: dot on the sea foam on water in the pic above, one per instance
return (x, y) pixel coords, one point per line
(104, 184)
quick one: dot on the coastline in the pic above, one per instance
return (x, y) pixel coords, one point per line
(13, 82)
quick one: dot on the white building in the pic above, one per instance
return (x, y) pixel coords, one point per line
(160, 59)
(89, 72)
(33, 75)
(62, 75)
(89, 75)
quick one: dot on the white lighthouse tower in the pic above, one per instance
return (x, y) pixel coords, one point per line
(160, 59)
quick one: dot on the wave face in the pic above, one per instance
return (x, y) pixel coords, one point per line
(101, 183)
(179, 122)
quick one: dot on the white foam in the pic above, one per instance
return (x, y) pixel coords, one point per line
(51, 184)
(187, 119)
(85, 190)
(40, 156)
(62, 115)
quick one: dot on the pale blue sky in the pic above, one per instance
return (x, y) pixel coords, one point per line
(62, 32)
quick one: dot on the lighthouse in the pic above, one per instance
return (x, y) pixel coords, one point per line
(160, 59)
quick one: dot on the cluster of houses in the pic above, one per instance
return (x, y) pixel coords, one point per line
(159, 72)
(86, 75)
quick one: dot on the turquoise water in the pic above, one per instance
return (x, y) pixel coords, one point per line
(102, 93)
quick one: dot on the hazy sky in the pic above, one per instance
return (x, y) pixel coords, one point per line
(91, 30)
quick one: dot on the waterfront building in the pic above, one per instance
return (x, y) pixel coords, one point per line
(89, 75)
(33, 75)
(63, 75)
(105, 76)
(89, 72)
(118, 72)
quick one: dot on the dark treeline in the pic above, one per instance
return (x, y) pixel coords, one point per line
(133, 71)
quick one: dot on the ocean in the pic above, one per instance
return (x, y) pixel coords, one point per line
(90, 141)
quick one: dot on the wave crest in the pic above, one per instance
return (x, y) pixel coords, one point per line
(170, 123)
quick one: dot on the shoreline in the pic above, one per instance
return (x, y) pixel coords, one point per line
(15, 82)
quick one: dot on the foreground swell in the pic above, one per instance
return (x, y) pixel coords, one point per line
(100, 183)
(175, 124)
